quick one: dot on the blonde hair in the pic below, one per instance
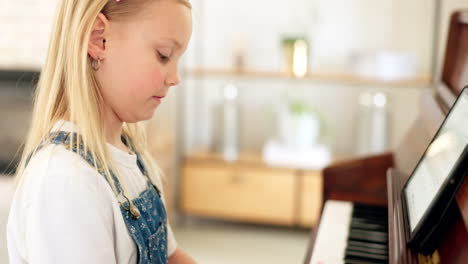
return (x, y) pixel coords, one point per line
(68, 89)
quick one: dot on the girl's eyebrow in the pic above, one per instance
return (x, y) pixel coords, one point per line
(175, 42)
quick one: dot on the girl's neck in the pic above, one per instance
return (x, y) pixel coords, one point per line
(113, 130)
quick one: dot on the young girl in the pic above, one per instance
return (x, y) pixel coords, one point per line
(88, 190)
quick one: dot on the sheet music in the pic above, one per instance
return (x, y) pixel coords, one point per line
(438, 161)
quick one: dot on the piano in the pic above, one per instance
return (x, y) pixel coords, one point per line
(362, 220)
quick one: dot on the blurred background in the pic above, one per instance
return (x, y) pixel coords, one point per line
(271, 93)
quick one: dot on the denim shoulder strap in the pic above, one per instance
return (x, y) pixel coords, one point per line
(128, 142)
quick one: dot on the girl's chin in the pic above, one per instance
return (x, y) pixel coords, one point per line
(149, 115)
(137, 118)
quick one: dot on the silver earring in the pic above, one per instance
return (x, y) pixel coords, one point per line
(95, 64)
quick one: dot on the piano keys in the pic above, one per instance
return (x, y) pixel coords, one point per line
(351, 233)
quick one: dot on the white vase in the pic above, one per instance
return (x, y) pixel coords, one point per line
(299, 131)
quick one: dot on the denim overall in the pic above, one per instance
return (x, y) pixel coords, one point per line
(147, 222)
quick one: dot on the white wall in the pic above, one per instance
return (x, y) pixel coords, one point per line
(24, 32)
(336, 29)
(339, 104)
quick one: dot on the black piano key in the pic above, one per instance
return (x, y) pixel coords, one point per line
(367, 244)
(370, 213)
(368, 235)
(371, 210)
(361, 220)
(372, 227)
(357, 261)
(363, 236)
(359, 206)
(368, 226)
(364, 217)
(376, 251)
(366, 256)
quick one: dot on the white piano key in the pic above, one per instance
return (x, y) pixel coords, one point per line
(330, 243)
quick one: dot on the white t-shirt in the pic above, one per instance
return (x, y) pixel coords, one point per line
(66, 212)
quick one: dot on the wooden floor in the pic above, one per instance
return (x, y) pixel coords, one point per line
(212, 242)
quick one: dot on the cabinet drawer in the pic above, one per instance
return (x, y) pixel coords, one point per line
(311, 198)
(242, 193)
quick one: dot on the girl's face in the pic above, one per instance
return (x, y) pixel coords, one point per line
(141, 57)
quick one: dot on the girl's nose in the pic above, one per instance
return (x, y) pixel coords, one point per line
(173, 78)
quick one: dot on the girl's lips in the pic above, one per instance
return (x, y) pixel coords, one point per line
(158, 99)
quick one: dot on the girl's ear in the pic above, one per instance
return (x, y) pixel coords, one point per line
(97, 41)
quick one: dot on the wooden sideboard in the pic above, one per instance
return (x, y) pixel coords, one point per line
(248, 190)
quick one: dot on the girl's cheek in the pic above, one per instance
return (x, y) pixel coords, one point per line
(145, 77)
(157, 78)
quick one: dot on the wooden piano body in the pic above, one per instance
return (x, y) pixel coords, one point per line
(370, 180)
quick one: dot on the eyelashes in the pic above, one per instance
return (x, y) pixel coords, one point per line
(163, 58)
